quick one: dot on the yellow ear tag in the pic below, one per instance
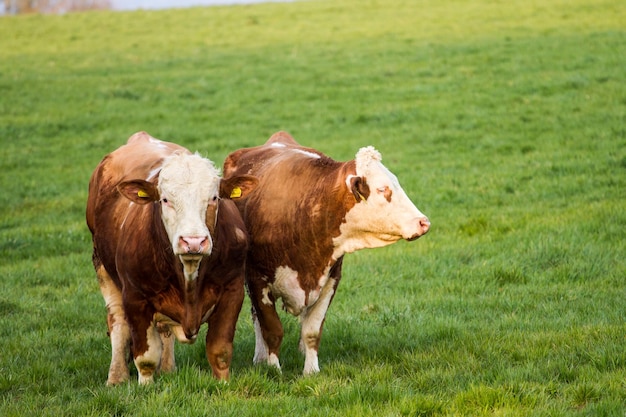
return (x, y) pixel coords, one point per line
(235, 193)
(142, 194)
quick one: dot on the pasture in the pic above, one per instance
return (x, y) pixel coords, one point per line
(504, 121)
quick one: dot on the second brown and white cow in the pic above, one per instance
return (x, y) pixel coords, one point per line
(169, 254)
(306, 213)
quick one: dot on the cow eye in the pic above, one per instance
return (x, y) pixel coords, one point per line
(381, 189)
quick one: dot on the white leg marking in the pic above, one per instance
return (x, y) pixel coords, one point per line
(311, 322)
(273, 361)
(266, 297)
(119, 332)
(148, 362)
(120, 343)
(260, 347)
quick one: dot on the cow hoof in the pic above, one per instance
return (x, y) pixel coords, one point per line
(118, 376)
(146, 379)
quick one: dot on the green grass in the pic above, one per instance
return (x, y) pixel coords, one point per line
(505, 122)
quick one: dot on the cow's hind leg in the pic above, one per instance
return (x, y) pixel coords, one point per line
(119, 331)
(168, 360)
(267, 326)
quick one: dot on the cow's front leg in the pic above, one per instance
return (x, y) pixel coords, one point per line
(267, 326)
(119, 332)
(147, 361)
(312, 321)
(222, 324)
(147, 346)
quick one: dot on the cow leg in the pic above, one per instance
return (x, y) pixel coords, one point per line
(119, 331)
(222, 324)
(311, 322)
(148, 361)
(147, 346)
(168, 360)
(267, 326)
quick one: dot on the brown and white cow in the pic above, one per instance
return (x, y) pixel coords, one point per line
(306, 213)
(169, 254)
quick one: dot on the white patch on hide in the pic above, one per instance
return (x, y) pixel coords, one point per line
(130, 204)
(156, 142)
(153, 173)
(148, 362)
(307, 153)
(206, 316)
(240, 234)
(260, 347)
(266, 297)
(287, 287)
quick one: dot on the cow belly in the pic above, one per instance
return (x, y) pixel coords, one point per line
(287, 286)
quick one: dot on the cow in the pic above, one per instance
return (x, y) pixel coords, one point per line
(169, 250)
(305, 214)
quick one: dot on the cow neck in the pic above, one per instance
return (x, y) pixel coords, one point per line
(324, 217)
(346, 201)
(192, 318)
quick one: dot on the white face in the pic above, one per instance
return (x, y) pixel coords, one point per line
(387, 214)
(189, 190)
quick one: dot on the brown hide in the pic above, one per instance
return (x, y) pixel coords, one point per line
(295, 210)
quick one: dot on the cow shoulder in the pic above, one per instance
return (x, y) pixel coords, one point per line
(231, 233)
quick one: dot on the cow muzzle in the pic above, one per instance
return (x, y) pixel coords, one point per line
(423, 226)
(191, 250)
(194, 245)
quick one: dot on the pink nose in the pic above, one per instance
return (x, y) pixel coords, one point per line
(193, 244)
(423, 227)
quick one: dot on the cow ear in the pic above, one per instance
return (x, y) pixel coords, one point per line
(238, 186)
(360, 189)
(139, 191)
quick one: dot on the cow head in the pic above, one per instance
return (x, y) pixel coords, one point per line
(188, 192)
(383, 213)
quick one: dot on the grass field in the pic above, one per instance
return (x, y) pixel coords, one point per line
(505, 122)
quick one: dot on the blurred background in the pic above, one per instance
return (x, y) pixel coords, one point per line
(64, 6)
